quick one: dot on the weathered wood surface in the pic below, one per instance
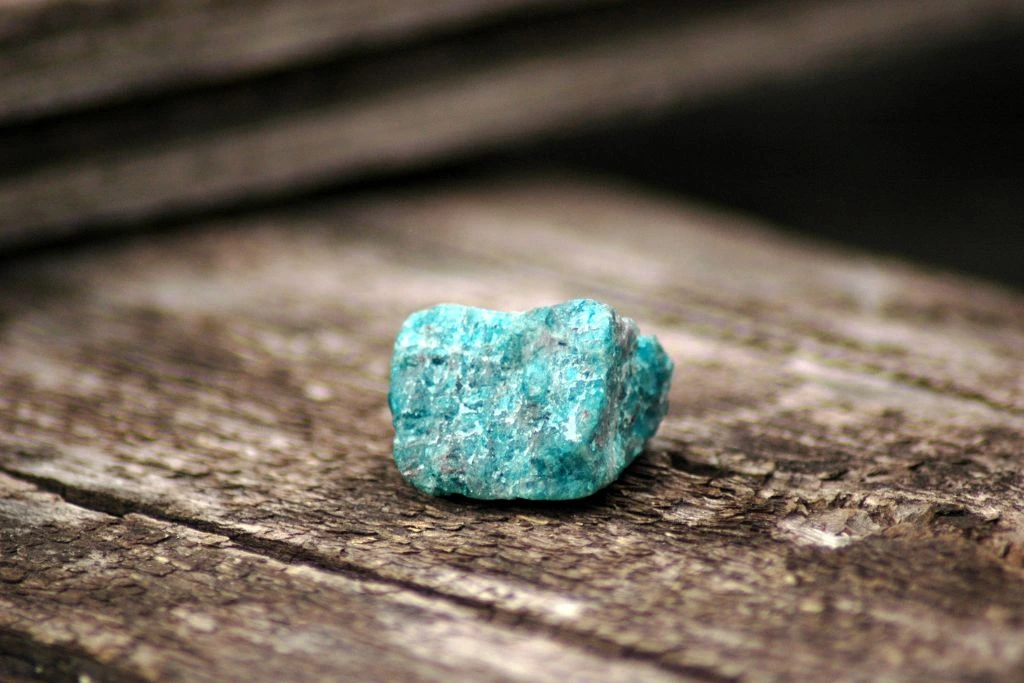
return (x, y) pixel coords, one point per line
(120, 598)
(319, 126)
(835, 494)
(56, 54)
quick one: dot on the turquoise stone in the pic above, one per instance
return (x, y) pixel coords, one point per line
(550, 404)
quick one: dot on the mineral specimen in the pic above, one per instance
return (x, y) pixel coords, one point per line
(550, 404)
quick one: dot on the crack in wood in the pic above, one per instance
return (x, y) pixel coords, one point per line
(287, 553)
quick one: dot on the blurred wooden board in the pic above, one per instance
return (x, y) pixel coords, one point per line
(60, 54)
(835, 494)
(313, 127)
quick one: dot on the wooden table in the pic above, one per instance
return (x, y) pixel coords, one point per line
(196, 482)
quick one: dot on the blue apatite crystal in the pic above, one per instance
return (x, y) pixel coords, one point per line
(550, 404)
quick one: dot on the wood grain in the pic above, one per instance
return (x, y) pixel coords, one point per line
(132, 598)
(836, 492)
(317, 127)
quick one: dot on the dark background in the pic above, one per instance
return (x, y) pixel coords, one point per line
(921, 157)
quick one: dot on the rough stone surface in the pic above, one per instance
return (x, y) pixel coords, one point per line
(550, 404)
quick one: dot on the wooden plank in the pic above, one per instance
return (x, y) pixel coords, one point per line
(836, 491)
(56, 54)
(318, 127)
(133, 598)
